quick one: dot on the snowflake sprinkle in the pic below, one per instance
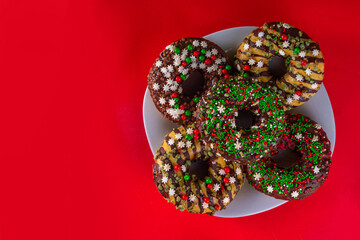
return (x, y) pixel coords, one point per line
(257, 176)
(251, 62)
(295, 194)
(166, 167)
(258, 43)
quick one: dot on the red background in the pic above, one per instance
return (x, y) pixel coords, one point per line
(74, 158)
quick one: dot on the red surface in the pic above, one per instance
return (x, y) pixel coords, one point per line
(74, 159)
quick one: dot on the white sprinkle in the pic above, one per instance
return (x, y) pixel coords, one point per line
(204, 44)
(246, 46)
(308, 71)
(260, 64)
(258, 43)
(158, 63)
(289, 100)
(226, 200)
(166, 167)
(270, 189)
(257, 176)
(315, 52)
(171, 192)
(162, 101)
(195, 43)
(261, 34)
(163, 70)
(282, 53)
(171, 141)
(156, 86)
(164, 179)
(170, 47)
(181, 144)
(171, 102)
(285, 44)
(298, 136)
(302, 54)
(251, 62)
(295, 194)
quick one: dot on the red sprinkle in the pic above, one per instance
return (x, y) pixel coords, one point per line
(178, 78)
(246, 67)
(224, 71)
(226, 76)
(217, 207)
(227, 170)
(183, 117)
(174, 95)
(177, 167)
(303, 62)
(213, 57)
(283, 37)
(298, 93)
(210, 185)
(196, 131)
(184, 63)
(196, 53)
(182, 107)
(184, 197)
(196, 136)
(207, 200)
(207, 61)
(226, 180)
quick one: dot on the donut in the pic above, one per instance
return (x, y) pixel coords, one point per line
(299, 166)
(183, 71)
(190, 176)
(284, 59)
(241, 120)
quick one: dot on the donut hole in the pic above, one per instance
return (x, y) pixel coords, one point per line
(193, 84)
(244, 120)
(286, 158)
(277, 67)
(199, 168)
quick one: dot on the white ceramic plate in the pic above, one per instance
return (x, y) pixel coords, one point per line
(248, 201)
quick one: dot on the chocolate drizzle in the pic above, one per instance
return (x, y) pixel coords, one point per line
(271, 41)
(201, 155)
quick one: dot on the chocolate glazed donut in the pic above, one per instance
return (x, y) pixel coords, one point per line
(299, 166)
(190, 176)
(285, 60)
(183, 71)
(241, 120)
